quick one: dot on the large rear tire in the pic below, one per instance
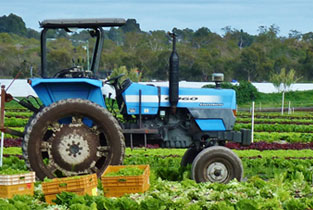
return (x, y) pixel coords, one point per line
(216, 164)
(72, 137)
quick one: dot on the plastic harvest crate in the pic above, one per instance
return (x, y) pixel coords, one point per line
(80, 185)
(117, 186)
(19, 184)
(17, 178)
(90, 191)
(8, 191)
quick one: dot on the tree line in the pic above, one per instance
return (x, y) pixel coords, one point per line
(237, 54)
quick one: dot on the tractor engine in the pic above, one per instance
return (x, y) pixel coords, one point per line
(173, 129)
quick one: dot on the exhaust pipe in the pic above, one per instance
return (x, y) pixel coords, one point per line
(173, 75)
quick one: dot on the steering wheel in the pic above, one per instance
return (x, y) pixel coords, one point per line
(62, 73)
(114, 79)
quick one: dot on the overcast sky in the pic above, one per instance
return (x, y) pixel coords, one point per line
(167, 14)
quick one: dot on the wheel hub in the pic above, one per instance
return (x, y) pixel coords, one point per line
(217, 172)
(74, 148)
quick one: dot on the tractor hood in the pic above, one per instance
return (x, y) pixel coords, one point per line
(154, 97)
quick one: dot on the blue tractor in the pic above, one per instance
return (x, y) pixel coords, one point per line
(74, 132)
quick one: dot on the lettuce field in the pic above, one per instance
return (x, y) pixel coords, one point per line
(278, 172)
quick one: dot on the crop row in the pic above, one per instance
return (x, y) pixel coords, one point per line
(18, 114)
(271, 146)
(277, 128)
(12, 142)
(15, 122)
(271, 115)
(275, 120)
(9, 136)
(283, 136)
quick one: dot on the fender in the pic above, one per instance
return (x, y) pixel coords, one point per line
(55, 89)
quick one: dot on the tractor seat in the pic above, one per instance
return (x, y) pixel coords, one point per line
(125, 84)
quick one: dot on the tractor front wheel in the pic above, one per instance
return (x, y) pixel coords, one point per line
(72, 137)
(189, 156)
(216, 164)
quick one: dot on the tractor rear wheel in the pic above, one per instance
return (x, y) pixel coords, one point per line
(72, 137)
(216, 164)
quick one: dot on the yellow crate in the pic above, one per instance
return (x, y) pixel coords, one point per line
(69, 184)
(119, 185)
(90, 191)
(8, 191)
(17, 178)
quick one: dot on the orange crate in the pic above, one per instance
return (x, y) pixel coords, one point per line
(119, 185)
(69, 184)
(17, 178)
(90, 191)
(8, 191)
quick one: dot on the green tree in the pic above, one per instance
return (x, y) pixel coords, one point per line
(203, 63)
(283, 80)
(241, 38)
(13, 24)
(160, 63)
(203, 37)
(307, 64)
(133, 40)
(184, 36)
(58, 59)
(23, 70)
(133, 74)
(307, 37)
(158, 41)
(32, 34)
(131, 25)
(249, 60)
(268, 34)
(116, 35)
